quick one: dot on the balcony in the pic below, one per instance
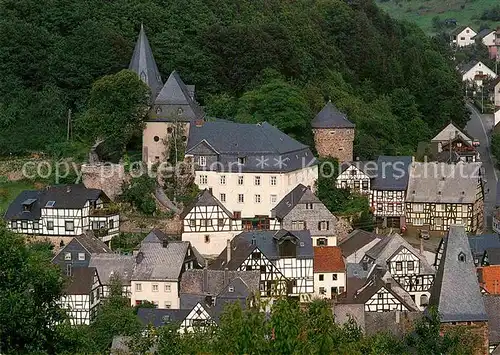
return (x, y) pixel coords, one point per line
(108, 210)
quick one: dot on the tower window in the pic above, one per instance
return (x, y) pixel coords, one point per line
(156, 138)
(461, 257)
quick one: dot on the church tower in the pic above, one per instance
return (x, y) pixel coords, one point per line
(333, 134)
(144, 64)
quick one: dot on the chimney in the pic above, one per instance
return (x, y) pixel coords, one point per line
(388, 285)
(228, 251)
(205, 277)
(226, 276)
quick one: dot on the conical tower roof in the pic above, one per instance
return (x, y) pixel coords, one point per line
(143, 63)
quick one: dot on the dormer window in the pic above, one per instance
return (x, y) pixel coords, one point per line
(461, 257)
(158, 110)
(242, 160)
(50, 203)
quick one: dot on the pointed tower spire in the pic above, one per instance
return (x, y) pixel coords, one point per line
(143, 63)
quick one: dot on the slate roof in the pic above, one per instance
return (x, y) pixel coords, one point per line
(160, 317)
(493, 255)
(144, 64)
(81, 280)
(155, 261)
(377, 280)
(113, 265)
(205, 198)
(392, 173)
(443, 183)
(212, 282)
(328, 259)
(65, 196)
(331, 117)
(459, 29)
(483, 33)
(244, 243)
(479, 243)
(174, 95)
(492, 306)
(455, 291)
(384, 250)
(466, 67)
(356, 240)
(92, 244)
(299, 195)
(265, 147)
(450, 132)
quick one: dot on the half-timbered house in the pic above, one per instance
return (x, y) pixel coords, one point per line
(284, 259)
(63, 210)
(301, 209)
(456, 294)
(447, 134)
(457, 150)
(82, 295)
(406, 265)
(356, 176)
(357, 243)
(207, 224)
(388, 190)
(440, 195)
(78, 251)
(381, 293)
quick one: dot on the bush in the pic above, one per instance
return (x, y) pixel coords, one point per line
(138, 194)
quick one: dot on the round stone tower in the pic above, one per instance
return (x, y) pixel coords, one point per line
(333, 134)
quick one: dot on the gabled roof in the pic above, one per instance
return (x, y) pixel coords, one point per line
(205, 198)
(392, 173)
(212, 282)
(328, 259)
(90, 243)
(455, 291)
(267, 243)
(159, 317)
(384, 250)
(176, 93)
(299, 195)
(113, 265)
(356, 240)
(443, 183)
(331, 117)
(450, 132)
(368, 167)
(81, 280)
(483, 33)
(492, 305)
(459, 29)
(73, 196)
(264, 147)
(466, 67)
(479, 243)
(144, 64)
(493, 256)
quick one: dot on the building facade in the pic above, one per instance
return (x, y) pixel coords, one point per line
(63, 210)
(356, 176)
(329, 272)
(333, 134)
(207, 224)
(440, 195)
(463, 36)
(301, 209)
(284, 259)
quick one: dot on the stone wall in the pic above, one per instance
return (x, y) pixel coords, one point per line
(107, 177)
(335, 142)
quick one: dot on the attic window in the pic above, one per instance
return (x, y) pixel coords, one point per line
(231, 289)
(50, 203)
(461, 257)
(242, 160)
(301, 244)
(179, 111)
(158, 110)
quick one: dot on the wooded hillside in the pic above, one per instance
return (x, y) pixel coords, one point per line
(253, 60)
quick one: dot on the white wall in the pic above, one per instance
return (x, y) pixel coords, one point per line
(158, 297)
(489, 40)
(217, 241)
(477, 69)
(328, 283)
(285, 182)
(464, 38)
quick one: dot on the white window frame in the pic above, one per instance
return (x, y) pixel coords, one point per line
(223, 180)
(258, 198)
(203, 179)
(256, 180)
(154, 288)
(81, 256)
(418, 207)
(138, 287)
(241, 180)
(66, 226)
(273, 180)
(241, 198)
(202, 160)
(67, 256)
(418, 221)
(222, 197)
(274, 198)
(168, 288)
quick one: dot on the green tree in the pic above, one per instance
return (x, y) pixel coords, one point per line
(115, 111)
(138, 192)
(30, 287)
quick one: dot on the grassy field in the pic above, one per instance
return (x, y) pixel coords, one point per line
(9, 190)
(466, 12)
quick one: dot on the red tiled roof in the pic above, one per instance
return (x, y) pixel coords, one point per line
(489, 278)
(328, 259)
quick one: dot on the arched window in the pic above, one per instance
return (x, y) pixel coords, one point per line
(461, 257)
(424, 300)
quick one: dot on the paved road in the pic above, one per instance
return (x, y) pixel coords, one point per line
(479, 127)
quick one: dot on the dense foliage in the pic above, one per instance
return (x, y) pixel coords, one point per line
(492, 14)
(253, 60)
(138, 192)
(495, 147)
